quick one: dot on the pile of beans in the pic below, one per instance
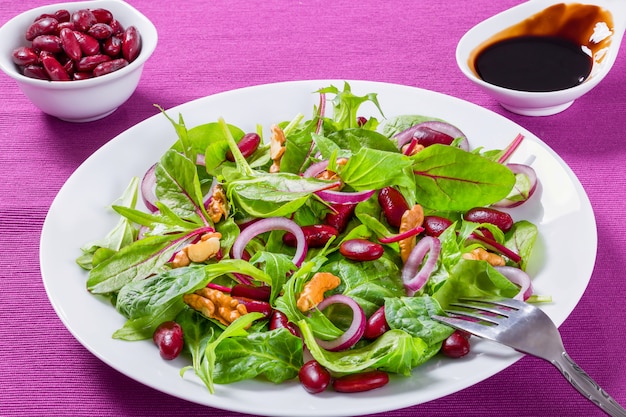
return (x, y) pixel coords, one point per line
(76, 46)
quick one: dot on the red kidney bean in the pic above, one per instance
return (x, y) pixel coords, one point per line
(376, 324)
(88, 63)
(314, 377)
(44, 26)
(498, 218)
(364, 381)
(35, 71)
(62, 15)
(247, 145)
(68, 65)
(117, 27)
(256, 292)
(112, 46)
(168, 336)
(102, 15)
(361, 250)
(340, 216)
(55, 70)
(256, 306)
(24, 56)
(88, 44)
(316, 235)
(83, 19)
(109, 66)
(100, 31)
(393, 204)
(435, 225)
(48, 43)
(131, 43)
(65, 25)
(456, 345)
(82, 75)
(70, 44)
(360, 121)
(278, 320)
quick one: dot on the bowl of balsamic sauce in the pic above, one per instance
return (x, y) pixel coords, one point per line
(537, 58)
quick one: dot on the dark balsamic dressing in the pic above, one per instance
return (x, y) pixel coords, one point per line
(549, 51)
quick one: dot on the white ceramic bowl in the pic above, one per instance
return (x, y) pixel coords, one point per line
(84, 100)
(538, 103)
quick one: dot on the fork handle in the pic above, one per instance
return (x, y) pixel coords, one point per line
(587, 386)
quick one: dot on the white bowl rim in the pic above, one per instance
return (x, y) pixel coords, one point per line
(149, 43)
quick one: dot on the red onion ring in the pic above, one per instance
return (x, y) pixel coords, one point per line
(405, 136)
(354, 333)
(495, 246)
(266, 225)
(148, 183)
(414, 277)
(532, 177)
(518, 277)
(343, 197)
(401, 236)
(315, 169)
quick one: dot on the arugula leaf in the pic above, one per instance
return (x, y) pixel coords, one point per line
(123, 234)
(449, 178)
(134, 262)
(346, 105)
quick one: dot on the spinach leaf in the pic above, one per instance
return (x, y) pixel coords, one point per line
(521, 239)
(412, 314)
(395, 351)
(273, 195)
(398, 124)
(178, 186)
(371, 169)
(474, 279)
(276, 355)
(448, 178)
(356, 139)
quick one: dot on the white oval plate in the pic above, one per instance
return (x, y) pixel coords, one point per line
(79, 214)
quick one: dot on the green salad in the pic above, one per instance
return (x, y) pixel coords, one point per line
(329, 241)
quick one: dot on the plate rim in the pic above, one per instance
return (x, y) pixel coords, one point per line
(373, 85)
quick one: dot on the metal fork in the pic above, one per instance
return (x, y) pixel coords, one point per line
(526, 329)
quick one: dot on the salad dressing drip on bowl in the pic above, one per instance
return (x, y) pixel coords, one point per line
(537, 58)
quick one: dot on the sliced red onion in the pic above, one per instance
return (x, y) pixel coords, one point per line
(148, 183)
(266, 225)
(415, 272)
(401, 236)
(495, 246)
(520, 278)
(532, 177)
(344, 197)
(407, 135)
(354, 333)
(315, 169)
(200, 159)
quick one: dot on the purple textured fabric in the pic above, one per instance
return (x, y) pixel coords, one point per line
(210, 47)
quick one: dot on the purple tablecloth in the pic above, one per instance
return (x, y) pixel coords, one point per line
(206, 47)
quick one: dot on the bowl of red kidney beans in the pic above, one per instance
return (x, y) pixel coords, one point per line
(78, 61)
